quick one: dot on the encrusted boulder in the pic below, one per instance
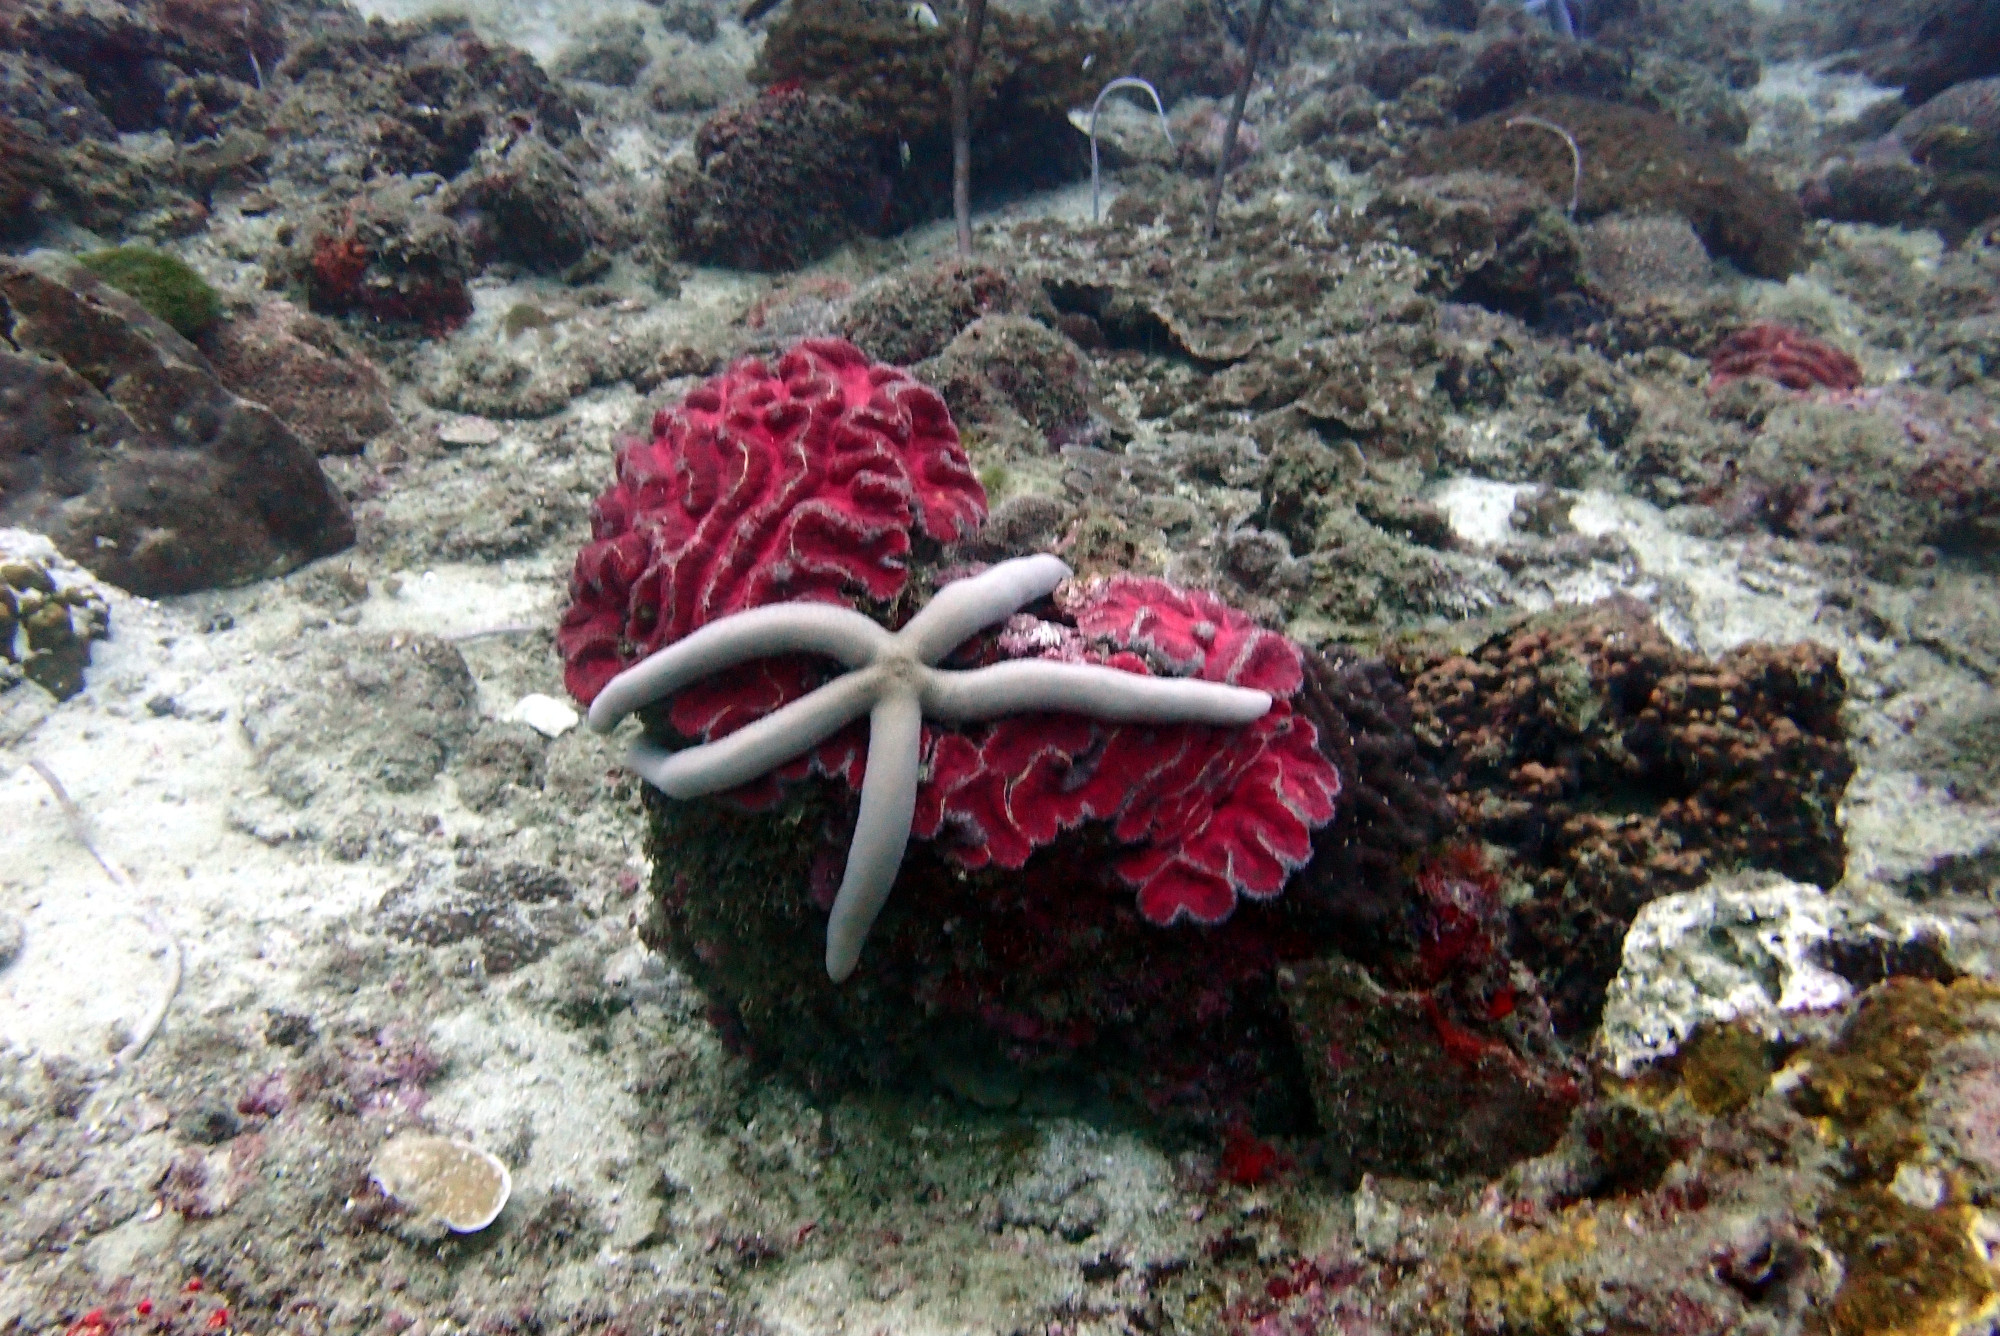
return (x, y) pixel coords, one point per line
(1009, 373)
(777, 182)
(1081, 901)
(892, 68)
(31, 174)
(364, 99)
(911, 315)
(303, 369)
(521, 202)
(1895, 475)
(1631, 161)
(118, 441)
(1616, 767)
(132, 56)
(1491, 239)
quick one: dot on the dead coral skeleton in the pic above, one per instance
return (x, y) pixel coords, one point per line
(896, 684)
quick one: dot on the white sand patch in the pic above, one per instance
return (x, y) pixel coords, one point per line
(456, 601)
(1713, 595)
(1795, 93)
(156, 783)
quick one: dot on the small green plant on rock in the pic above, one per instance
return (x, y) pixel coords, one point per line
(167, 287)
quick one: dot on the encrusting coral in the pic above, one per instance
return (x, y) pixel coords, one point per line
(1618, 767)
(48, 620)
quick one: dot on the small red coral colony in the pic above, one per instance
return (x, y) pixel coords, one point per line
(1777, 352)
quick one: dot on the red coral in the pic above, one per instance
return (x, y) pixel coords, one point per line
(1461, 909)
(1777, 352)
(1248, 1161)
(338, 262)
(799, 483)
(1215, 813)
(344, 275)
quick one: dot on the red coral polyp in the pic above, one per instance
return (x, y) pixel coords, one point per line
(801, 482)
(1778, 352)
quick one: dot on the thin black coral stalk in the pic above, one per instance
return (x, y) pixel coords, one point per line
(961, 121)
(1236, 115)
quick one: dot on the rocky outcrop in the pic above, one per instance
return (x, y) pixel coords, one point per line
(118, 441)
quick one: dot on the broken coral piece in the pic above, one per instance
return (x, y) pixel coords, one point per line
(458, 1183)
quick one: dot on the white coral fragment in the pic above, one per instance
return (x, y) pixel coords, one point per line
(1739, 948)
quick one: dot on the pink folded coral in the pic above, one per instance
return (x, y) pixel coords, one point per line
(1215, 813)
(1793, 359)
(799, 482)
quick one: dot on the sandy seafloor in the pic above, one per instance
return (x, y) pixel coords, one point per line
(264, 917)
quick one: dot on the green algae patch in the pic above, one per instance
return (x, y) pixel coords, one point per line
(165, 286)
(1910, 1272)
(1724, 1068)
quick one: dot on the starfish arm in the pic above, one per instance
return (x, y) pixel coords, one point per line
(976, 602)
(757, 748)
(778, 628)
(1025, 686)
(881, 830)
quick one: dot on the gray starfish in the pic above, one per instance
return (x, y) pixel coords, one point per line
(896, 684)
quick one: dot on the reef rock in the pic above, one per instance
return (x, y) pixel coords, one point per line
(1403, 1089)
(118, 441)
(304, 370)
